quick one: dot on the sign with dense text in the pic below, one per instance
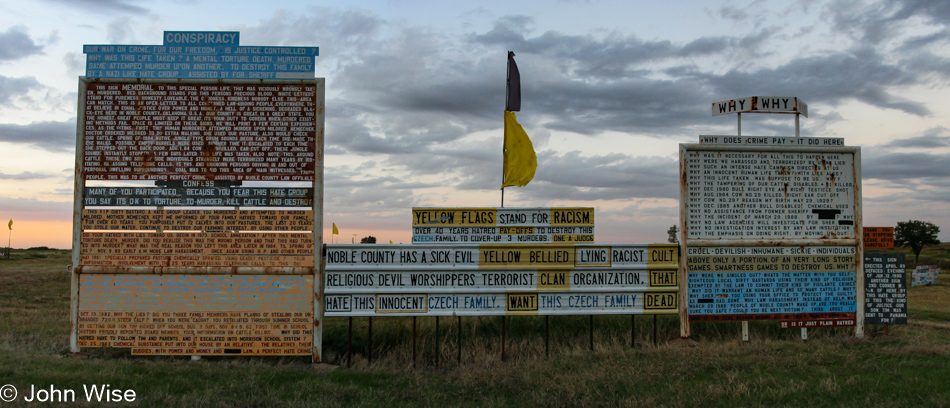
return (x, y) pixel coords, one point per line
(503, 225)
(878, 237)
(199, 55)
(769, 195)
(219, 129)
(199, 196)
(199, 131)
(770, 226)
(490, 279)
(197, 314)
(885, 288)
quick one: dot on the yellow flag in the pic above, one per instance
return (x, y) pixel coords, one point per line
(390, 241)
(520, 159)
(10, 225)
(335, 231)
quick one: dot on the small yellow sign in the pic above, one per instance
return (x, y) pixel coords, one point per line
(662, 278)
(521, 302)
(572, 216)
(554, 280)
(659, 301)
(663, 254)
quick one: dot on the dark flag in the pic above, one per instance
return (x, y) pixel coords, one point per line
(513, 94)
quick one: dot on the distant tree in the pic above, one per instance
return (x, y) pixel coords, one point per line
(368, 240)
(916, 234)
(673, 231)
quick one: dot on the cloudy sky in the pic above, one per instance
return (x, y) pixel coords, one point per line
(415, 96)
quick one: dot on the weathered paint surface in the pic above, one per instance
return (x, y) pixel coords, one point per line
(199, 131)
(197, 314)
(485, 280)
(885, 288)
(761, 104)
(771, 232)
(199, 139)
(197, 220)
(878, 237)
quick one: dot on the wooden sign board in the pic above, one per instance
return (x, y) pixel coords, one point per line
(491, 279)
(885, 288)
(197, 220)
(878, 237)
(197, 314)
(199, 131)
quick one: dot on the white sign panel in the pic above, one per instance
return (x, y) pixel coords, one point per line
(769, 195)
(466, 279)
(771, 140)
(502, 303)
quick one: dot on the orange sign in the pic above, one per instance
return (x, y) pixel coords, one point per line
(878, 237)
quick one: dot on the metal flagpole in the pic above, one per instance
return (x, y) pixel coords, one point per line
(504, 158)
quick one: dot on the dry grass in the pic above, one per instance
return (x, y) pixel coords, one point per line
(908, 366)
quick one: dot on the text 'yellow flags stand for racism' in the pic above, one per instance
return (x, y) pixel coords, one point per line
(520, 159)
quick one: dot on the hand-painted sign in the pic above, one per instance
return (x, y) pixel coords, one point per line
(197, 314)
(488, 279)
(493, 256)
(199, 196)
(761, 104)
(885, 289)
(769, 195)
(878, 237)
(769, 282)
(769, 226)
(925, 275)
(199, 131)
(197, 220)
(200, 115)
(503, 225)
(771, 140)
(199, 54)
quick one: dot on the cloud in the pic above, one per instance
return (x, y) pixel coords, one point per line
(109, 6)
(26, 175)
(37, 210)
(16, 44)
(931, 139)
(50, 136)
(121, 30)
(858, 74)
(75, 63)
(612, 57)
(17, 89)
(902, 167)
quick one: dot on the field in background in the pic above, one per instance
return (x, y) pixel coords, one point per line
(907, 366)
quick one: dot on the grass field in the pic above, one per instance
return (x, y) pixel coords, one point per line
(907, 366)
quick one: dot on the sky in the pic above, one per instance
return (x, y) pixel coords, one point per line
(416, 93)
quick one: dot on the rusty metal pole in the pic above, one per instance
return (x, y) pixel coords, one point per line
(460, 341)
(413, 341)
(547, 336)
(349, 345)
(591, 332)
(654, 331)
(437, 342)
(633, 331)
(504, 329)
(369, 349)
